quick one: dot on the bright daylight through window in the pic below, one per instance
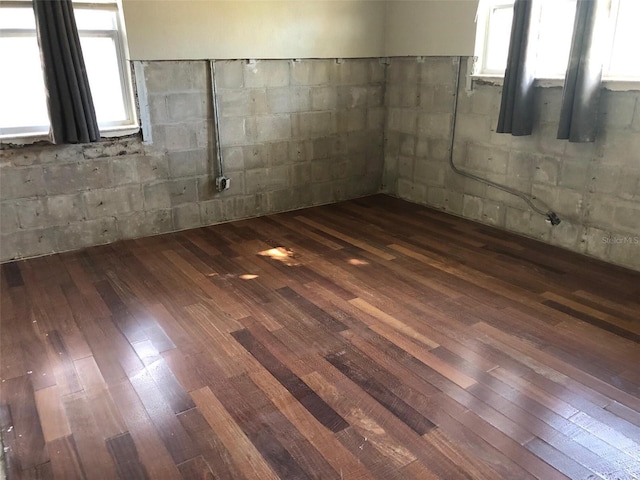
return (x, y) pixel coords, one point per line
(23, 109)
(553, 26)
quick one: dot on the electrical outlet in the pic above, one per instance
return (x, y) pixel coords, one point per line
(223, 183)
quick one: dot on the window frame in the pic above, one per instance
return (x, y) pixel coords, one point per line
(479, 71)
(107, 129)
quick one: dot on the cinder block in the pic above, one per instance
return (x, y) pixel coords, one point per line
(489, 159)
(152, 167)
(301, 150)
(158, 109)
(627, 217)
(574, 174)
(453, 202)
(438, 71)
(408, 144)
(472, 207)
(353, 72)
(289, 199)
(375, 118)
(144, 224)
(257, 156)
(207, 188)
(21, 182)
(156, 196)
(97, 173)
(246, 102)
(237, 131)
(271, 128)
(279, 153)
(31, 212)
(266, 73)
(354, 120)
(402, 71)
(279, 100)
(603, 179)
(439, 149)
(549, 103)
(189, 163)
(493, 213)
(406, 167)
(229, 74)
(178, 76)
(8, 217)
(20, 157)
(187, 107)
(635, 124)
(435, 196)
(186, 216)
(313, 124)
(517, 220)
(112, 201)
(539, 228)
(375, 96)
(212, 211)
(321, 193)
(233, 159)
(176, 137)
(566, 235)
(28, 243)
(313, 72)
(595, 242)
(546, 140)
(521, 164)
(352, 96)
(300, 99)
(402, 120)
(377, 71)
(324, 98)
(629, 185)
(617, 109)
(64, 209)
(65, 178)
(430, 173)
(87, 233)
(473, 128)
(434, 125)
(264, 179)
(183, 191)
(124, 171)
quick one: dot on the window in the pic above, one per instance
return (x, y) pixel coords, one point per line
(23, 109)
(553, 27)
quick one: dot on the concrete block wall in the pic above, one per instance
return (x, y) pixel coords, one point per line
(293, 134)
(594, 188)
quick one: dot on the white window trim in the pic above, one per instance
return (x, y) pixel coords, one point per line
(481, 74)
(120, 129)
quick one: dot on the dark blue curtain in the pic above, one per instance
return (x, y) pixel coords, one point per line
(582, 84)
(516, 107)
(71, 110)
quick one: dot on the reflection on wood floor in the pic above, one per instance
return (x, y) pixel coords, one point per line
(368, 339)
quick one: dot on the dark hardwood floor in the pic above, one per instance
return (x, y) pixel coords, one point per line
(368, 339)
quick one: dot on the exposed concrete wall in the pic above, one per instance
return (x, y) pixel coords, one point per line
(199, 29)
(594, 188)
(293, 134)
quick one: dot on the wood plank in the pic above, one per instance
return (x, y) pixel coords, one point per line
(245, 455)
(368, 339)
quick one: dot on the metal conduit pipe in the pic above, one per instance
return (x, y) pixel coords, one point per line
(544, 210)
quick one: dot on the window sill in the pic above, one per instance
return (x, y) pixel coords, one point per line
(30, 139)
(614, 85)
